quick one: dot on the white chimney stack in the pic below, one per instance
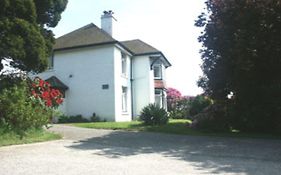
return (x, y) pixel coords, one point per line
(107, 22)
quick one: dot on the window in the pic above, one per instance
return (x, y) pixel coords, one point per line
(51, 62)
(124, 99)
(157, 70)
(159, 97)
(124, 64)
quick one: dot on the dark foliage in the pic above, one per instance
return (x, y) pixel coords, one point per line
(24, 34)
(241, 55)
(212, 118)
(198, 104)
(72, 119)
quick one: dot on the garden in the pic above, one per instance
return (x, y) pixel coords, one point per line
(26, 106)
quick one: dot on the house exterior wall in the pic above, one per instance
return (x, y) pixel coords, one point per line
(143, 83)
(85, 71)
(122, 81)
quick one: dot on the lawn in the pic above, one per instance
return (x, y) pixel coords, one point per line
(175, 126)
(178, 126)
(31, 136)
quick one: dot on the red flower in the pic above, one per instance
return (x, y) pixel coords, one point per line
(34, 93)
(59, 101)
(48, 103)
(45, 95)
(41, 89)
(41, 83)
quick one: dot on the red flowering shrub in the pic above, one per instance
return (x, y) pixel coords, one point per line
(178, 105)
(173, 96)
(49, 96)
(26, 104)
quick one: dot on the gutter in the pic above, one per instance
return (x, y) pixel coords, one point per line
(131, 81)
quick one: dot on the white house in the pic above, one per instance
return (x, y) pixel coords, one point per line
(113, 79)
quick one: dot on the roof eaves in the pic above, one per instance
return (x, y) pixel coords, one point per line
(124, 47)
(151, 53)
(83, 46)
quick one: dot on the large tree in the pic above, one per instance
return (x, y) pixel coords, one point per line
(25, 35)
(242, 56)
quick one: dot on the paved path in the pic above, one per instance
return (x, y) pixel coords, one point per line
(105, 152)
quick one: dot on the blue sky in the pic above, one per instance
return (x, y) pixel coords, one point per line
(166, 25)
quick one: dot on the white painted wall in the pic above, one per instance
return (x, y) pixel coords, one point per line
(121, 80)
(143, 84)
(84, 71)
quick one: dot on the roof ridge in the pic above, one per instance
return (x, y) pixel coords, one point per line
(83, 27)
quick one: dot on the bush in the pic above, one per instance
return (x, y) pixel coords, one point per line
(154, 115)
(95, 118)
(213, 118)
(72, 119)
(181, 109)
(19, 111)
(198, 104)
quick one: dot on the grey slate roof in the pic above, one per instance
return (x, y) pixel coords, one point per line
(91, 35)
(85, 36)
(138, 47)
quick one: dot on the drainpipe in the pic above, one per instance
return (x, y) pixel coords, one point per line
(131, 81)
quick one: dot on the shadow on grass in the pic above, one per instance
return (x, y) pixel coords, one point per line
(220, 155)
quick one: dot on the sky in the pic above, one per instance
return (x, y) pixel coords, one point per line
(165, 24)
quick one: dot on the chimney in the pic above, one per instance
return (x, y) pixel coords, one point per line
(107, 22)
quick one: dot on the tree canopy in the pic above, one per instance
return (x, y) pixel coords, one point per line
(25, 35)
(242, 56)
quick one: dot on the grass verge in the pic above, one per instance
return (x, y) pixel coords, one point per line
(175, 126)
(178, 126)
(11, 138)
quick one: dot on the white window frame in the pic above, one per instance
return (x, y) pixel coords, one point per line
(124, 99)
(158, 93)
(123, 64)
(160, 71)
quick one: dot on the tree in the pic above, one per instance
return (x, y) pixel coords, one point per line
(241, 56)
(25, 37)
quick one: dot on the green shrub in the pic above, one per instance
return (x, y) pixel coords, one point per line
(198, 104)
(180, 110)
(20, 112)
(72, 119)
(154, 115)
(213, 118)
(95, 118)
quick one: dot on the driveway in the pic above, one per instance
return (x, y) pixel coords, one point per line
(106, 152)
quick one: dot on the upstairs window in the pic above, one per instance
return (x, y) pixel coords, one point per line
(124, 64)
(157, 71)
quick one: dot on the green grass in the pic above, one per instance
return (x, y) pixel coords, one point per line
(11, 138)
(175, 126)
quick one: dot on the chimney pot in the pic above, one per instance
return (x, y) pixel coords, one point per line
(107, 22)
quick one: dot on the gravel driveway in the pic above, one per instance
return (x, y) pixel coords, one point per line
(105, 152)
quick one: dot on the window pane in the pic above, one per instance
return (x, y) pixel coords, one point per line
(158, 97)
(124, 64)
(124, 99)
(157, 71)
